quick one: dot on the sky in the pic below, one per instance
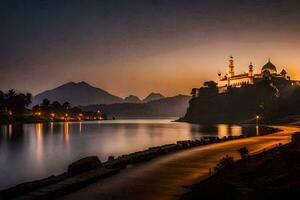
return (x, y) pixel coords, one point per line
(137, 46)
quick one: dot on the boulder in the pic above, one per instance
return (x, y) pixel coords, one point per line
(83, 165)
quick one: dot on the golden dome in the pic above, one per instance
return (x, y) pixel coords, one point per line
(270, 67)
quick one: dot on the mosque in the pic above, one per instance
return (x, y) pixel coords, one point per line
(230, 79)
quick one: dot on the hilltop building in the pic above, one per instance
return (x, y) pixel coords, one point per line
(230, 79)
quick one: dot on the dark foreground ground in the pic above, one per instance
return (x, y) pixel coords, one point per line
(274, 174)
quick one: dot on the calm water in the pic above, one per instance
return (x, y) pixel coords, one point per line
(35, 151)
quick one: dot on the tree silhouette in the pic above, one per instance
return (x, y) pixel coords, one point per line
(209, 89)
(46, 102)
(210, 84)
(15, 103)
(244, 152)
(225, 162)
(271, 99)
(56, 106)
(66, 105)
(11, 94)
(2, 106)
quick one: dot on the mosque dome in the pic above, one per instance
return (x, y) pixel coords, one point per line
(269, 67)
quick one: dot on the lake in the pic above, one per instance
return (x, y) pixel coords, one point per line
(35, 151)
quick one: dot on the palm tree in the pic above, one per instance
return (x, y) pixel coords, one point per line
(10, 100)
(10, 94)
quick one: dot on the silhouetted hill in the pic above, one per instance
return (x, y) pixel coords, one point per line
(267, 101)
(78, 94)
(167, 107)
(153, 96)
(132, 99)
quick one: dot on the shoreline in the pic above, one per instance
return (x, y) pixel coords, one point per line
(45, 121)
(20, 122)
(123, 161)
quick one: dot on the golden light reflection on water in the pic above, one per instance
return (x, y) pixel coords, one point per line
(51, 126)
(227, 130)
(80, 127)
(235, 130)
(38, 129)
(39, 141)
(257, 130)
(222, 130)
(66, 131)
(10, 130)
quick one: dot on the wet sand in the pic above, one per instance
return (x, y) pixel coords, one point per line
(166, 176)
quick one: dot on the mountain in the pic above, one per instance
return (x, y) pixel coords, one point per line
(167, 107)
(153, 96)
(80, 93)
(132, 99)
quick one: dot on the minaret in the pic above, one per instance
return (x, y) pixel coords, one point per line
(231, 67)
(250, 70)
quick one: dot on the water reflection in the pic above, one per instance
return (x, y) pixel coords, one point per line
(235, 130)
(9, 130)
(221, 130)
(38, 128)
(34, 151)
(80, 127)
(39, 142)
(66, 132)
(51, 126)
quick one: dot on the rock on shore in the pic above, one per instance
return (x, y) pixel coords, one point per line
(84, 164)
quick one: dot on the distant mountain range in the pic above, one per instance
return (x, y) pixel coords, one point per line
(78, 94)
(132, 99)
(82, 93)
(166, 107)
(153, 96)
(90, 98)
